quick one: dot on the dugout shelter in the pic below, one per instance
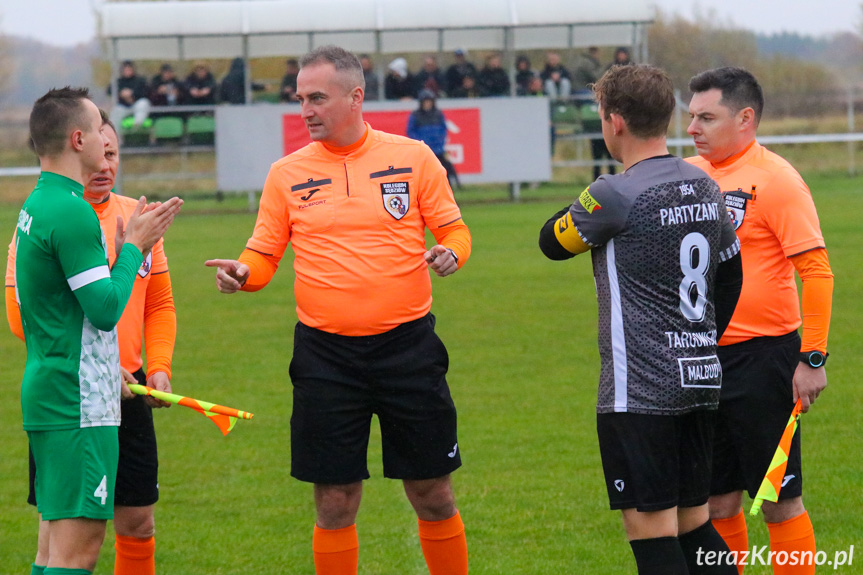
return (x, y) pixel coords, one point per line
(212, 29)
(179, 31)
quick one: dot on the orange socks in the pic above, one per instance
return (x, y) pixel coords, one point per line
(795, 536)
(443, 543)
(733, 531)
(134, 556)
(336, 551)
(444, 546)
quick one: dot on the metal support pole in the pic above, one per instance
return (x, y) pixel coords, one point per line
(515, 191)
(247, 80)
(851, 146)
(678, 125)
(115, 98)
(379, 71)
(509, 57)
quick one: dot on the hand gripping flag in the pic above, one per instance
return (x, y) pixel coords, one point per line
(223, 417)
(772, 483)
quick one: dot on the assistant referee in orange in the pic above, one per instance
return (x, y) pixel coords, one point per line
(355, 204)
(766, 364)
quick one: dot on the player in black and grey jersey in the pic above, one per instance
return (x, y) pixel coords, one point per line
(667, 269)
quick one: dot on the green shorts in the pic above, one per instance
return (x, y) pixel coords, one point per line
(76, 472)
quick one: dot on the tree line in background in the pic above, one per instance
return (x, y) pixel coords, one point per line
(801, 75)
(793, 86)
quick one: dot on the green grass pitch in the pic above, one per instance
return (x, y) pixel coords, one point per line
(521, 333)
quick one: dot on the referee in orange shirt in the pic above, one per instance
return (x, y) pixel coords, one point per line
(766, 366)
(355, 204)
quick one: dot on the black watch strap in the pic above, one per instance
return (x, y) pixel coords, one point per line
(814, 358)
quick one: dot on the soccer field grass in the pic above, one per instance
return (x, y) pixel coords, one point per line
(521, 333)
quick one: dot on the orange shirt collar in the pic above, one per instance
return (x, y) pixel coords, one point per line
(345, 150)
(101, 206)
(731, 160)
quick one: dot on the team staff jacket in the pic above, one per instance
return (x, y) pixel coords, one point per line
(70, 303)
(775, 219)
(356, 218)
(150, 314)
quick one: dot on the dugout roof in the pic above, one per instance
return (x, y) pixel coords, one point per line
(172, 30)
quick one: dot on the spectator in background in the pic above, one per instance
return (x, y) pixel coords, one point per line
(524, 74)
(288, 90)
(233, 87)
(201, 86)
(493, 79)
(535, 87)
(430, 77)
(457, 71)
(535, 90)
(557, 82)
(165, 88)
(468, 88)
(371, 77)
(131, 96)
(399, 84)
(428, 125)
(592, 124)
(587, 71)
(621, 57)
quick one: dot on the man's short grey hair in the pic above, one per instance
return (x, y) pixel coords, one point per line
(346, 64)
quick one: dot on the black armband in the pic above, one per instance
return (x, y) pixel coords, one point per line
(729, 282)
(548, 241)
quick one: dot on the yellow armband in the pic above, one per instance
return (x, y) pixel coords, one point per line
(567, 235)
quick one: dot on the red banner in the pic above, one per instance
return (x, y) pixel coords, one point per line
(463, 146)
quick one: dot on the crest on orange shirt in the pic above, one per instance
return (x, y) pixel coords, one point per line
(396, 198)
(146, 265)
(735, 203)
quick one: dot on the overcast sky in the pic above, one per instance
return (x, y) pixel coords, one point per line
(69, 22)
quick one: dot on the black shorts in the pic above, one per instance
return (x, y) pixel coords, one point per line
(656, 462)
(754, 406)
(137, 470)
(340, 381)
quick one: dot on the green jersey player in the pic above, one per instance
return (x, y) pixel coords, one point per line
(70, 302)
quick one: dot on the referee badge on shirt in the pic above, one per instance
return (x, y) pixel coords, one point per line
(396, 197)
(735, 203)
(146, 265)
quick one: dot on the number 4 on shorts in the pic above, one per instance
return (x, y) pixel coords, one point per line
(102, 491)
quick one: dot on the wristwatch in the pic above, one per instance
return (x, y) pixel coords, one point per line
(813, 358)
(455, 257)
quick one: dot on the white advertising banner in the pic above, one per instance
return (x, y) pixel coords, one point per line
(490, 140)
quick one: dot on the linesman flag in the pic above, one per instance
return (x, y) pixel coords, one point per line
(223, 417)
(772, 483)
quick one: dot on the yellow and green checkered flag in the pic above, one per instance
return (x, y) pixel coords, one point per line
(772, 483)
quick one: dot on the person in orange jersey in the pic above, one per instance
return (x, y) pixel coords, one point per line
(149, 318)
(766, 364)
(355, 204)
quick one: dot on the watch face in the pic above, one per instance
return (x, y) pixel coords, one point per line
(816, 359)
